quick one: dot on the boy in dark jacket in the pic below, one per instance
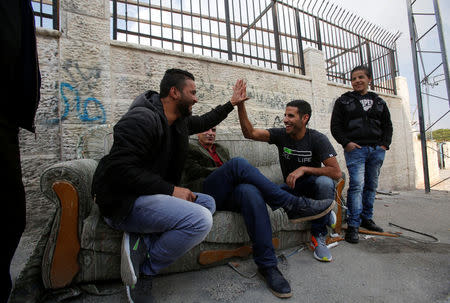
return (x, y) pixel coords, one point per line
(361, 123)
(136, 184)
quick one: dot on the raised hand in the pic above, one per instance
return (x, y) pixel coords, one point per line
(239, 92)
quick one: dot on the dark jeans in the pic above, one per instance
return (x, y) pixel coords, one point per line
(318, 188)
(363, 166)
(12, 201)
(238, 186)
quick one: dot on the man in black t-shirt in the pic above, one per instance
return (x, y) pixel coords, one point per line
(302, 152)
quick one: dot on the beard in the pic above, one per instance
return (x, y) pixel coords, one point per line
(183, 107)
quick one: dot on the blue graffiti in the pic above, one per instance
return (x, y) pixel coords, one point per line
(81, 107)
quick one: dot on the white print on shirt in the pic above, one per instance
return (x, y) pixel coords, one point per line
(302, 156)
(366, 104)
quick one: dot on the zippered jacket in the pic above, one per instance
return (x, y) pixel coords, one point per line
(350, 123)
(147, 156)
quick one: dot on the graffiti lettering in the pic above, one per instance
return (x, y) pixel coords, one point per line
(80, 107)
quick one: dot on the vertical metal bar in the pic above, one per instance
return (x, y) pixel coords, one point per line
(276, 34)
(201, 27)
(55, 7)
(114, 19)
(192, 26)
(249, 36)
(256, 35)
(361, 58)
(393, 73)
(171, 25)
(283, 10)
(227, 20)
(41, 13)
(210, 33)
(126, 20)
(301, 59)
(218, 28)
(290, 11)
(413, 38)
(161, 24)
(139, 23)
(319, 38)
(369, 63)
(182, 24)
(442, 43)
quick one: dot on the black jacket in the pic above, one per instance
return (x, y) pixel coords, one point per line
(20, 80)
(350, 123)
(142, 160)
(200, 164)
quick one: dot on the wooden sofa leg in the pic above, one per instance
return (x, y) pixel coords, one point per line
(64, 264)
(338, 198)
(212, 256)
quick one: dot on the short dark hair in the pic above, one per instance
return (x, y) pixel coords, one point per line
(174, 77)
(363, 68)
(303, 107)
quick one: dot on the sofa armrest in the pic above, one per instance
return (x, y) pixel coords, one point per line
(68, 186)
(79, 174)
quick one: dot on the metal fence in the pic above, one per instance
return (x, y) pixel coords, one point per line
(266, 33)
(46, 13)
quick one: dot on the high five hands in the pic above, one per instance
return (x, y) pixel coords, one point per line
(239, 92)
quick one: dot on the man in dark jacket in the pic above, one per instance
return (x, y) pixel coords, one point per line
(238, 186)
(20, 84)
(361, 123)
(136, 184)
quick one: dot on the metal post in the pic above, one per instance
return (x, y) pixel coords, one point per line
(369, 64)
(442, 43)
(227, 20)
(114, 19)
(393, 73)
(55, 14)
(426, 177)
(361, 58)
(319, 36)
(276, 35)
(301, 60)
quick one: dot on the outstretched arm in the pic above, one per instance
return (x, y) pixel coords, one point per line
(248, 130)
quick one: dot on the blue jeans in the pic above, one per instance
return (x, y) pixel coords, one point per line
(170, 227)
(363, 166)
(314, 187)
(240, 187)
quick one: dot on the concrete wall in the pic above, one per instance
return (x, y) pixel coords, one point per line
(88, 79)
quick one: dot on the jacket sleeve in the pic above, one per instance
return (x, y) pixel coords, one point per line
(337, 124)
(136, 140)
(199, 124)
(386, 125)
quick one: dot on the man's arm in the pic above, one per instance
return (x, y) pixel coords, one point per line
(199, 124)
(330, 169)
(248, 130)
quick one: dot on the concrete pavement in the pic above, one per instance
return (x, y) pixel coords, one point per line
(378, 269)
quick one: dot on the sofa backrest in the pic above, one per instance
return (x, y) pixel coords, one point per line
(96, 142)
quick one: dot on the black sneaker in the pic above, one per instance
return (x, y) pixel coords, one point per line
(278, 285)
(306, 209)
(370, 225)
(352, 234)
(133, 254)
(141, 292)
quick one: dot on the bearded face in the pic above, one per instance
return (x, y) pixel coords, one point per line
(187, 98)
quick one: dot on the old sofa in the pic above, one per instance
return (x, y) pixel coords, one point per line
(82, 248)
